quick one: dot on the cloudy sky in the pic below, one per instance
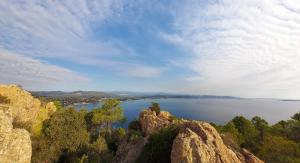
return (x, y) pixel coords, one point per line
(247, 48)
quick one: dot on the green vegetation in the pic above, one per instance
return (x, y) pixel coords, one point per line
(279, 143)
(159, 146)
(80, 136)
(58, 104)
(155, 107)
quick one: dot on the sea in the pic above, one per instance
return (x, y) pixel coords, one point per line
(218, 111)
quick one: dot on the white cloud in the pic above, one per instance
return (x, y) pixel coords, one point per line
(65, 30)
(31, 73)
(244, 48)
(142, 71)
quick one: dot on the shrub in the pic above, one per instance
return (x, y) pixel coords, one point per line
(134, 136)
(158, 149)
(134, 125)
(155, 107)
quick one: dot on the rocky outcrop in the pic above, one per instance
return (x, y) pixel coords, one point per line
(27, 111)
(151, 122)
(15, 144)
(196, 142)
(24, 107)
(129, 151)
(199, 142)
(22, 111)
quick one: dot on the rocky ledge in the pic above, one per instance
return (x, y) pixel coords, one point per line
(196, 142)
(19, 111)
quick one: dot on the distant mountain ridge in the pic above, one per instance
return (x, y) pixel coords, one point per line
(115, 94)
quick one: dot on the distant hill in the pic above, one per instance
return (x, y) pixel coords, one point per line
(122, 95)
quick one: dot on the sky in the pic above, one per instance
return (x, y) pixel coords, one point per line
(245, 48)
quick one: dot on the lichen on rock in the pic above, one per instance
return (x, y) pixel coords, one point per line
(15, 144)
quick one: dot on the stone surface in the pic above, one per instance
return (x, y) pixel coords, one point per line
(15, 144)
(128, 152)
(24, 107)
(150, 122)
(199, 142)
(22, 111)
(27, 112)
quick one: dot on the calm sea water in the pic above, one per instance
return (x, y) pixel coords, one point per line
(218, 111)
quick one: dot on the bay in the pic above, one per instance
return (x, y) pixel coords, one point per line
(218, 111)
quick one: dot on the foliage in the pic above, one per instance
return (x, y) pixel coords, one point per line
(58, 105)
(159, 146)
(278, 143)
(134, 135)
(155, 107)
(4, 100)
(134, 125)
(277, 149)
(109, 113)
(296, 116)
(65, 132)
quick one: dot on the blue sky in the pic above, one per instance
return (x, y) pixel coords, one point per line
(226, 47)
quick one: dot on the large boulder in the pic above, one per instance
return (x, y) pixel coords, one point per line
(24, 107)
(15, 144)
(196, 142)
(129, 151)
(20, 111)
(151, 122)
(27, 112)
(199, 142)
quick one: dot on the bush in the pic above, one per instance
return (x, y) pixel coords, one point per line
(276, 149)
(159, 146)
(64, 134)
(134, 125)
(134, 136)
(155, 107)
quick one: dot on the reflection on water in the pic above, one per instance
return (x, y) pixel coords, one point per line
(212, 110)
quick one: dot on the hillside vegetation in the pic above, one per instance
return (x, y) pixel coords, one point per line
(61, 134)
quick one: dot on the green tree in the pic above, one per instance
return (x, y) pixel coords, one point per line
(296, 116)
(276, 149)
(230, 128)
(247, 130)
(64, 132)
(109, 113)
(159, 146)
(58, 104)
(155, 107)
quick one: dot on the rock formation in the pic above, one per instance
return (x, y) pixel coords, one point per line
(22, 111)
(196, 142)
(128, 151)
(15, 144)
(150, 122)
(199, 142)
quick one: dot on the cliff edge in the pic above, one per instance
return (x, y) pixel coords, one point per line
(196, 141)
(19, 111)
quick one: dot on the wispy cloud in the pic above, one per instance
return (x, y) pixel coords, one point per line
(64, 30)
(31, 73)
(248, 48)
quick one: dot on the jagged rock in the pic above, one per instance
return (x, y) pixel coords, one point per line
(199, 142)
(128, 152)
(27, 111)
(150, 122)
(22, 111)
(15, 144)
(24, 107)
(196, 142)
